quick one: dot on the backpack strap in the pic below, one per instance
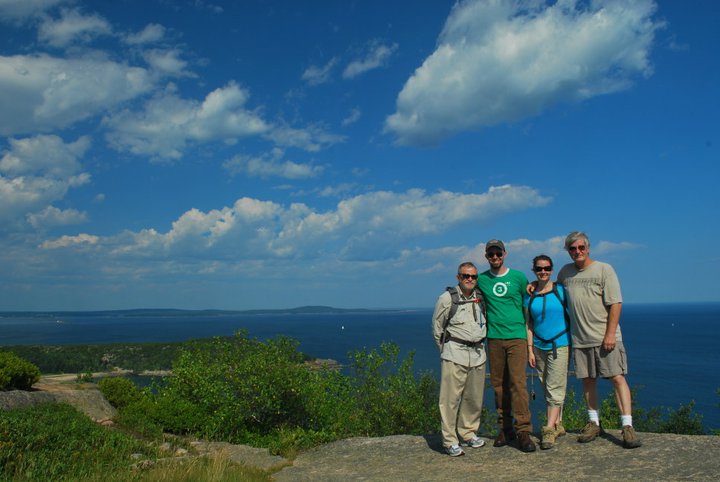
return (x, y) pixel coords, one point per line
(563, 302)
(456, 302)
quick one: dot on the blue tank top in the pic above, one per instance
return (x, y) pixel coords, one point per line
(553, 322)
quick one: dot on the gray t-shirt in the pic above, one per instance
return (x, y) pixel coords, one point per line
(591, 291)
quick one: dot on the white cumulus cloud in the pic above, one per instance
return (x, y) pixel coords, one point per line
(72, 26)
(68, 241)
(152, 33)
(167, 62)
(46, 155)
(502, 60)
(377, 57)
(36, 172)
(316, 75)
(169, 123)
(271, 165)
(22, 9)
(52, 216)
(370, 226)
(39, 93)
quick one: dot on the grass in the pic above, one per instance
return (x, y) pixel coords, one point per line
(200, 469)
(56, 442)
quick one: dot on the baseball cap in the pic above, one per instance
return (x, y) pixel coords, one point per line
(494, 243)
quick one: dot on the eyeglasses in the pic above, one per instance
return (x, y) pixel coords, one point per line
(494, 254)
(538, 269)
(466, 276)
(580, 248)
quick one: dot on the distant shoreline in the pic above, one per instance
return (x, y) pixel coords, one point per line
(302, 310)
(171, 312)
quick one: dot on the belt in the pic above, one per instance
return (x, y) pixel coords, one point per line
(471, 344)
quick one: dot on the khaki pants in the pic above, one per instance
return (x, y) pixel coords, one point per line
(553, 374)
(508, 359)
(461, 399)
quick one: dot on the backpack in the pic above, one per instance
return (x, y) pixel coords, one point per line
(456, 302)
(566, 315)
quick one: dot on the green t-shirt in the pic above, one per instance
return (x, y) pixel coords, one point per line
(503, 299)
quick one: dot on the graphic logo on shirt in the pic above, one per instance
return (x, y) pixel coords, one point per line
(500, 289)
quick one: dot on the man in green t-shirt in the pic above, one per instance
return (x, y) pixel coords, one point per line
(503, 289)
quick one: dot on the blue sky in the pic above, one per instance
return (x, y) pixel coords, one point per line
(270, 154)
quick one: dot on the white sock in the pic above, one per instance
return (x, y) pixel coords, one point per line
(625, 420)
(594, 416)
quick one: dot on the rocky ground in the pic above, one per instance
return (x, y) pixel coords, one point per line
(405, 457)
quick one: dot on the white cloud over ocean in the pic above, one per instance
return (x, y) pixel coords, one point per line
(503, 61)
(376, 224)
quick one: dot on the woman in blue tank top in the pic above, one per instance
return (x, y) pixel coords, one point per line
(548, 344)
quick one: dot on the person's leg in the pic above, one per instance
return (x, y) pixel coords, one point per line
(624, 401)
(622, 394)
(541, 366)
(452, 381)
(468, 421)
(498, 380)
(590, 393)
(555, 383)
(517, 360)
(517, 356)
(613, 366)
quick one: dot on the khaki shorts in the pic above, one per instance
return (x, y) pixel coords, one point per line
(596, 362)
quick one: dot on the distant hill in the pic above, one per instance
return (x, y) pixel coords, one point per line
(155, 312)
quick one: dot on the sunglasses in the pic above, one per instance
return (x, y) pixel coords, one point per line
(539, 269)
(580, 248)
(494, 254)
(466, 276)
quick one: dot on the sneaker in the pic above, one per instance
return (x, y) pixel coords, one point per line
(559, 429)
(475, 442)
(503, 438)
(548, 438)
(630, 439)
(525, 443)
(454, 451)
(589, 432)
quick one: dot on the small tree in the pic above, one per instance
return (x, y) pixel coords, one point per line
(16, 373)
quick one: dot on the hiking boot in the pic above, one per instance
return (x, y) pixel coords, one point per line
(559, 429)
(589, 432)
(548, 438)
(475, 442)
(525, 443)
(630, 439)
(503, 438)
(454, 451)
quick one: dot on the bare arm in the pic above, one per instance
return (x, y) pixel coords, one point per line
(609, 341)
(529, 327)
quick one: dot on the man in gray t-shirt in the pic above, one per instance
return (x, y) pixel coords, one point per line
(595, 304)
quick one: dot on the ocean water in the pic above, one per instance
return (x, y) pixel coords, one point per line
(671, 347)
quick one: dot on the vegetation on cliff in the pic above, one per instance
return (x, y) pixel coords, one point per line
(241, 390)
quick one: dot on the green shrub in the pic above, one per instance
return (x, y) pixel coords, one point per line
(243, 390)
(119, 391)
(683, 421)
(242, 385)
(137, 417)
(16, 373)
(174, 414)
(390, 399)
